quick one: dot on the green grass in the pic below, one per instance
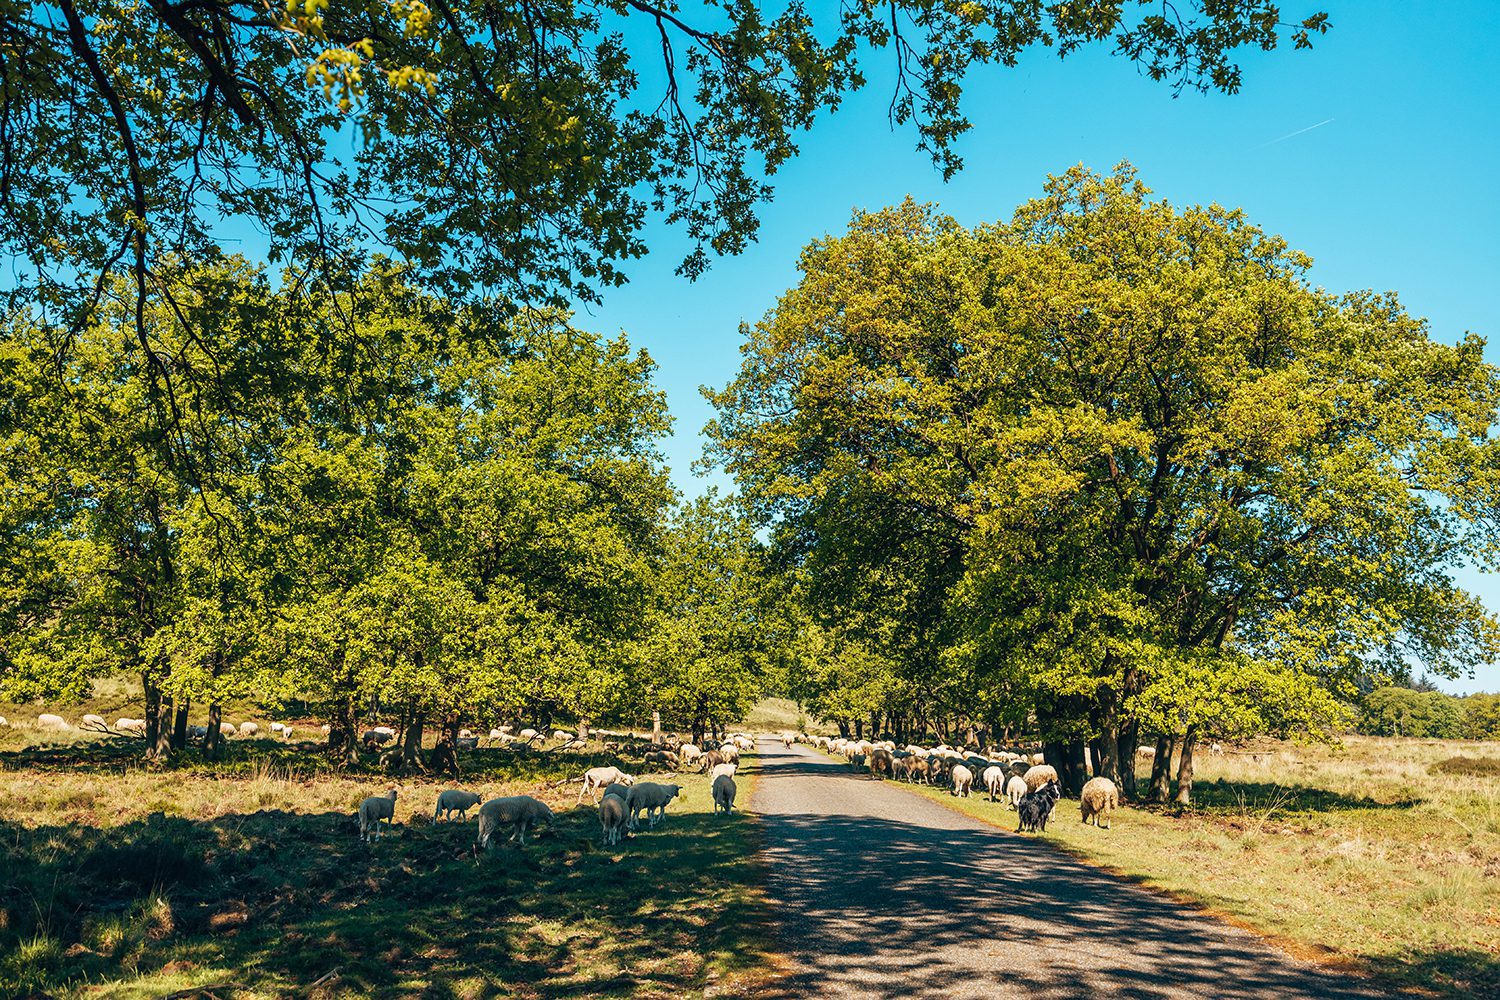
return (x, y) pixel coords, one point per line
(772, 715)
(1369, 854)
(123, 881)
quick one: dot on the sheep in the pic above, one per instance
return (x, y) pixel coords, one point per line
(454, 801)
(48, 721)
(620, 791)
(919, 769)
(787, 739)
(1036, 807)
(387, 730)
(528, 734)
(498, 734)
(994, 780)
(723, 770)
(227, 729)
(277, 728)
(374, 809)
(375, 738)
(1099, 798)
(3, 723)
(963, 780)
(688, 753)
(1038, 758)
(137, 726)
(724, 790)
(199, 733)
(881, 762)
(596, 778)
(562, 734)
(731, 753)
(856, 761)
(465, 734)
(249, 729)
(711, 759)
(662, 757)
(821, 743)
(651, 797)
(519, 811)
(1015, 790)
(612, 818)
(93, 722)
(1038, 775)
(744, 742)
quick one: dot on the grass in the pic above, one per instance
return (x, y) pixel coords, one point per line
(1375, 854)
(773, 715)
(124, 881)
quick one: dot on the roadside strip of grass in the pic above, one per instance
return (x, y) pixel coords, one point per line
(124, 881)
(1370, 856)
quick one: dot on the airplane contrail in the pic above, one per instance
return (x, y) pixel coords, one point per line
(1293, 135)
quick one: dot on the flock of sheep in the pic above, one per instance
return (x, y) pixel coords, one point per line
(137, 727)
(1024, 780)
(621, 798)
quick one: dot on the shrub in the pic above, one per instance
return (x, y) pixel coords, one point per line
(1487, 767)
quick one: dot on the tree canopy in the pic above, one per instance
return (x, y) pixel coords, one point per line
(1122, 461)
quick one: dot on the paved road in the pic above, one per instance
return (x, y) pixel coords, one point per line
(885, 894)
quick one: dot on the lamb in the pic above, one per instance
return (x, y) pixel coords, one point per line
(249, 729)
(725, 769)
(724, 790)
(455, 801)
(994, 780)
(519, 811)
(48, 721)
(963, 780)
(1099, 798)
(1015, 790)
(596, 778)
(612, 818)
(1039, 775)
(1036, 807)
(651, 797)
(374, 809)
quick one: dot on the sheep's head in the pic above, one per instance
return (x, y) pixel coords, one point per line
(626, 779)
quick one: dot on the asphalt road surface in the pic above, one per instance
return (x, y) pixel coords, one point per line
(882, 893)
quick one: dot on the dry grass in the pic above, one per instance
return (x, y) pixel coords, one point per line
(1370, 852)
(122, 881)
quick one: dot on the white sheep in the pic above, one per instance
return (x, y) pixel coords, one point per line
(622, 792)
(94, 722)
(1098, 799)
(562, 734)
(963, 780)
(744, 742)
(731, 752)
(455, 801)
(651, 797)
(725, 768)
(496, 734)
(527, 734)
(788, 739)
(3, 723)
(249, 728)
(994, 780)
(1015, 790)
(49, 721)
(612, 818)
(724, 790)
(596, 778)
(519, 811)
(126, 725)
(1038, 775)
(374, 809)
(227, 729)
(277, 728)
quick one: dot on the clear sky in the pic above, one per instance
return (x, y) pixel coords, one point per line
(1378, 153)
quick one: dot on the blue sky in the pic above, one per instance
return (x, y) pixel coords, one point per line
(1392, 186)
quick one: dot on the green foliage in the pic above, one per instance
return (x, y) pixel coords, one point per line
(1120, 461)
(1482, 716)
(1399, 711)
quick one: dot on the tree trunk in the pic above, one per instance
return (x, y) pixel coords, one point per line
(343, 735)
(1161, 769)
(1129, 743)
(213, 740)
(1068, 760)
(583, 729)
(1185, 768)
(843, 727)
(859, 729)
(411, 746)
(153, 713)
(1107, 746)
(180, 725)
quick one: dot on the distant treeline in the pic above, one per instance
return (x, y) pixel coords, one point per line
(1400, 711)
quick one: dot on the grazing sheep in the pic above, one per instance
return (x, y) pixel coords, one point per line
(199, 733)
(731, 753)
(48, 721)
(724, 790)
(711, 760)
(227, 729)
(651, 797)
(662, 757)
(496, 734)
(137, 726)
(688, 753)
(277, 728)
(881, 763)
(249, 729)
(963, 780)
(787, 739)
(1099, 798)
(374, 809)
(1036, 807)
(455, 801)
(619, 790)
(562, 734)
(724, 769)
(375, 738)
(919, 769)
(1038, 758)
(856, 761)
(994, 780)
(528, 734)
(612, 818)
(1015, 790)
(519, 811)
(744, 743)
(596, 778)
(1039, 775)
(94, 722)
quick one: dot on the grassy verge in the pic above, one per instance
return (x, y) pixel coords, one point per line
(122, 881)
(1384, 854)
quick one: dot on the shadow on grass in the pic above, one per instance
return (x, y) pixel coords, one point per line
(1254, 796)
(276, 900)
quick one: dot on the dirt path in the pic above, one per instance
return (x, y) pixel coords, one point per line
(882, 893)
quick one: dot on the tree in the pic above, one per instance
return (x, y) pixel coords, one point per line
(1400, 711)
(502, 149)
(1145, 442)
